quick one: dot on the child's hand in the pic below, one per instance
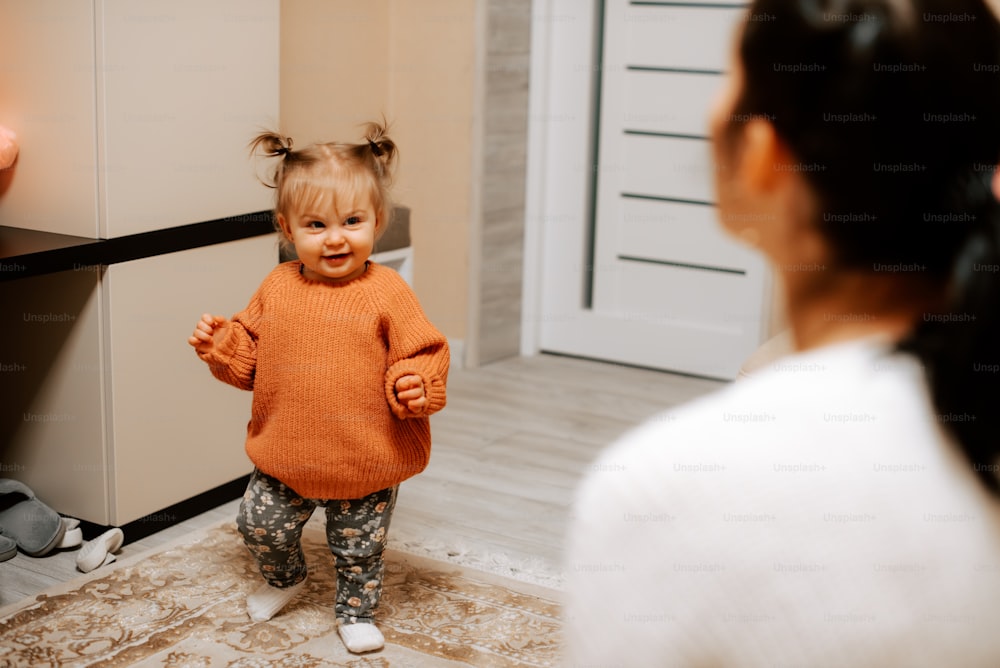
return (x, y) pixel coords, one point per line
(205, 332)
(410, 393)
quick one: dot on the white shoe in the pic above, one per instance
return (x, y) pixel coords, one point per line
(360, 638)
(95, 553)
(74, 534)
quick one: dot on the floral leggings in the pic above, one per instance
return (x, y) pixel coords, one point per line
(271, 518)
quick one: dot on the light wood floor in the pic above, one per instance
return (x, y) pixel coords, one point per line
(509, 450)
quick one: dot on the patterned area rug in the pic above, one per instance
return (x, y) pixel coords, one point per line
(184, 606)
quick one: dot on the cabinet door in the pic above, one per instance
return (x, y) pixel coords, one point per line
(174, 430)
(51, 408)
(47, 98)
(184, 85)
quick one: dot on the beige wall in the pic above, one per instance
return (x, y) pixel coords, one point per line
(344, 62)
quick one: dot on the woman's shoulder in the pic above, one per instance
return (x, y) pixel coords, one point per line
(820, 486)
(822, 433)
(800, 406)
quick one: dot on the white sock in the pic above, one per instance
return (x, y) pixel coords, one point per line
(267, 601)
(360, 638)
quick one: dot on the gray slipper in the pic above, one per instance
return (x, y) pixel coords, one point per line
(8, 548)
(35, 527)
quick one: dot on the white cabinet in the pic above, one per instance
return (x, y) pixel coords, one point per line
(184, 86)
(51, 405)
(48, 96)
(174, 431)
(105, 410)
(133, 117)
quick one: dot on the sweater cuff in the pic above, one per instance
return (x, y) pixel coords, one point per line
(434, 391)
(230, 363)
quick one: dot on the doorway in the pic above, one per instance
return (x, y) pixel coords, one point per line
(628, 260)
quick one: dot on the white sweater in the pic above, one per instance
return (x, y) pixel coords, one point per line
(813, 515)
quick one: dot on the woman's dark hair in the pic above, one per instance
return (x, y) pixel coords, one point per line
(892, 109)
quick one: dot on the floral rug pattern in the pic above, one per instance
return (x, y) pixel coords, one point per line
(184, 607)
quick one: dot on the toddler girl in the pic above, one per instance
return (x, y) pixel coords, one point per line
(345, 370)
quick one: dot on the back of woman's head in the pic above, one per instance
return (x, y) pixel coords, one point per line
(893, 109)
(332, 173)
(893, 105)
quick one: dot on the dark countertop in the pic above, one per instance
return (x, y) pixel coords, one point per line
(25, 253)
(15, 241)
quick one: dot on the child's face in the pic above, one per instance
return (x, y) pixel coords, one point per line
(332, 245)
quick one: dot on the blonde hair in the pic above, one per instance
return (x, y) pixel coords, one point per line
(320, 174)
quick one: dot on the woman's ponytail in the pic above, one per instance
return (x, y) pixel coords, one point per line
(960, 348)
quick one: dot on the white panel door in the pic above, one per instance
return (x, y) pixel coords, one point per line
(661, 285)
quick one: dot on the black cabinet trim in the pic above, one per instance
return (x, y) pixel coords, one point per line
(25, 253)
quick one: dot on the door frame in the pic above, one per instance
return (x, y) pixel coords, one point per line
(561, 141)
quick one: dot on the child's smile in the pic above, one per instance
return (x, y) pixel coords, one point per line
(332, 245)
(337, 259)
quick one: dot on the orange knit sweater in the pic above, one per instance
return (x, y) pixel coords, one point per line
(322, 360)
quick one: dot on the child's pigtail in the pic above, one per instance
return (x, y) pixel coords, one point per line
(379, 154)
(382, 148)
(271, 145)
